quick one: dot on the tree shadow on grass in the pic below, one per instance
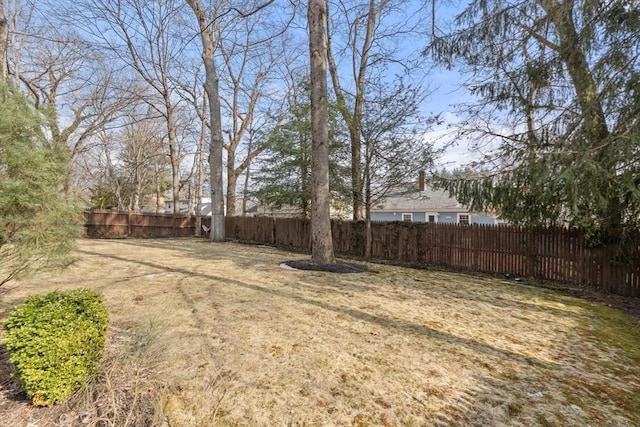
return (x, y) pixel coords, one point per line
(453, 292)
(393, 324)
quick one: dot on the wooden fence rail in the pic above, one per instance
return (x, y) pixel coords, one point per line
(555, 254)
(109, 224)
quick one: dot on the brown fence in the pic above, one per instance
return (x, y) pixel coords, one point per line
(98, 223)
(554, 254)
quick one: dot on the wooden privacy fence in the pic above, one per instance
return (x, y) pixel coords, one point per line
(106, 223)
(554, 254)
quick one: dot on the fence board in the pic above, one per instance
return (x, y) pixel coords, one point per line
(555, 254)
(137, 224)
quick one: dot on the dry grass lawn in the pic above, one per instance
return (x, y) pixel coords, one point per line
(219, 335)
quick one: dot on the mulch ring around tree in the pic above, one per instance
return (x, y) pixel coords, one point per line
(338, 267)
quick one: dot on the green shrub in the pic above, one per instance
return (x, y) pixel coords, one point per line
(56, 341)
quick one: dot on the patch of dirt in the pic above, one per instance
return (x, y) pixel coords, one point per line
(338, 267)
(219, 334)
(13, 399)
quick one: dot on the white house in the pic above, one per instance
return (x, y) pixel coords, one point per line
(184, 206)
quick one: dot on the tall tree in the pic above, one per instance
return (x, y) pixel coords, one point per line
(211, 32)
(284, 177)
(141, 35)
(366, 38)
(321, 239)
(393, 132)
(209, 40)
(70, 82)
(38, 226)
(393, 137)
(250, 57)
(557, 88)
(192, 91)
(141, 145)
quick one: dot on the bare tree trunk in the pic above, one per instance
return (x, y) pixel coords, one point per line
(367, 205)
(354, 119)
(207, 37)
(321, 240)
(246, 94)
(134, 204)
(4, 42)
(245, 191)
(156, 170)
(200, 170)
(215, 148)
(232, 181)
(173, 155)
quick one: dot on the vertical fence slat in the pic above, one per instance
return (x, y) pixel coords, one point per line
(555, 254)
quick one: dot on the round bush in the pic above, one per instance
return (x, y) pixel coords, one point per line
(56, 341)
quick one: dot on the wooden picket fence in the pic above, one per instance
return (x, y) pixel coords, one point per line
(554, 254)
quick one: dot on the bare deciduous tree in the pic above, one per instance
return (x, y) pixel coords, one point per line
(321, 240)
(129, 164)
(369, 34)
(192, 90)
(68, 80)
(209, 42)
(141, 35)
(249, 67)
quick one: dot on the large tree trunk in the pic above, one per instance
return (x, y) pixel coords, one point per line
(215, 151)
(321, 241)
(213, 96)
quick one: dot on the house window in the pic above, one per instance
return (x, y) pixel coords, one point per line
(407, 217)
(432, 218)
(463, 219)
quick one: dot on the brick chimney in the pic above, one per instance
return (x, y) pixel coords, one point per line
(421, 181)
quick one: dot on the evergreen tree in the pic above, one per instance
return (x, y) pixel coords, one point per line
(284, 178)
(38, 226)
(557, 85)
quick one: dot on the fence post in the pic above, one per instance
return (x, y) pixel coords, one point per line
(539, 253)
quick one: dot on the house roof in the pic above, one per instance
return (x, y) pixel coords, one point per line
(413, 199)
